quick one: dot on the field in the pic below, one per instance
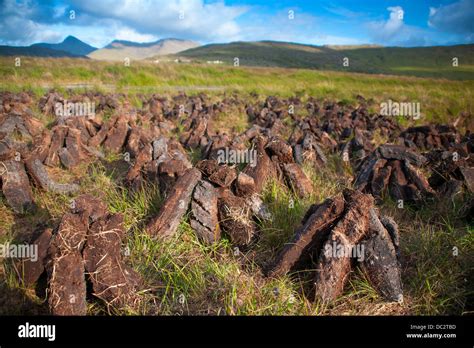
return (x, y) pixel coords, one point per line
(183, 275)
(440, 100)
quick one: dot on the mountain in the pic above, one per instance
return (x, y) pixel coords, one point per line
(435, 61)
(119, 49)
(70, 45)
(34, 51)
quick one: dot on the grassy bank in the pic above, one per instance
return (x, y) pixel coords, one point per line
(440, 100)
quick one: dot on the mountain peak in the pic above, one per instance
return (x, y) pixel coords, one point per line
(71, 45)
(71, 38)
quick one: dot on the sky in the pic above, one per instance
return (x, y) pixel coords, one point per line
(333, 22)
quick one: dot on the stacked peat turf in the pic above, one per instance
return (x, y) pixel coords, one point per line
(162, 159)
(66, 144)
(395, 169)
(213, 206)
(218, 198)
(335, 127)
(86, 247)
(18, 128)
(281, 154)
(453, 169)
(48, 103)
(222, 200)
(430, 137)
(337, 231)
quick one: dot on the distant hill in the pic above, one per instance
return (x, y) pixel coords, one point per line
(351, 47)
(433, 61)
(119, 49)
(33, 51)
(70, 47)
(70, 44)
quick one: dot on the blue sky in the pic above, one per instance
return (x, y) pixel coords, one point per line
(336, 22)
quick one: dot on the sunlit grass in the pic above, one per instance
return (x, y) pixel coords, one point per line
(441, 100)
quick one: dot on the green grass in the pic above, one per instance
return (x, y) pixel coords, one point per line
(440, 100)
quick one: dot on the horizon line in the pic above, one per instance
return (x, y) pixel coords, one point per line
(364, 45)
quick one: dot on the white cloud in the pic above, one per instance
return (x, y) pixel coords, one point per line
(30, 20)
(389, 29)
(394, 31)
(30, 32)
(18, 27)
(131, 35)
(193, 18)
